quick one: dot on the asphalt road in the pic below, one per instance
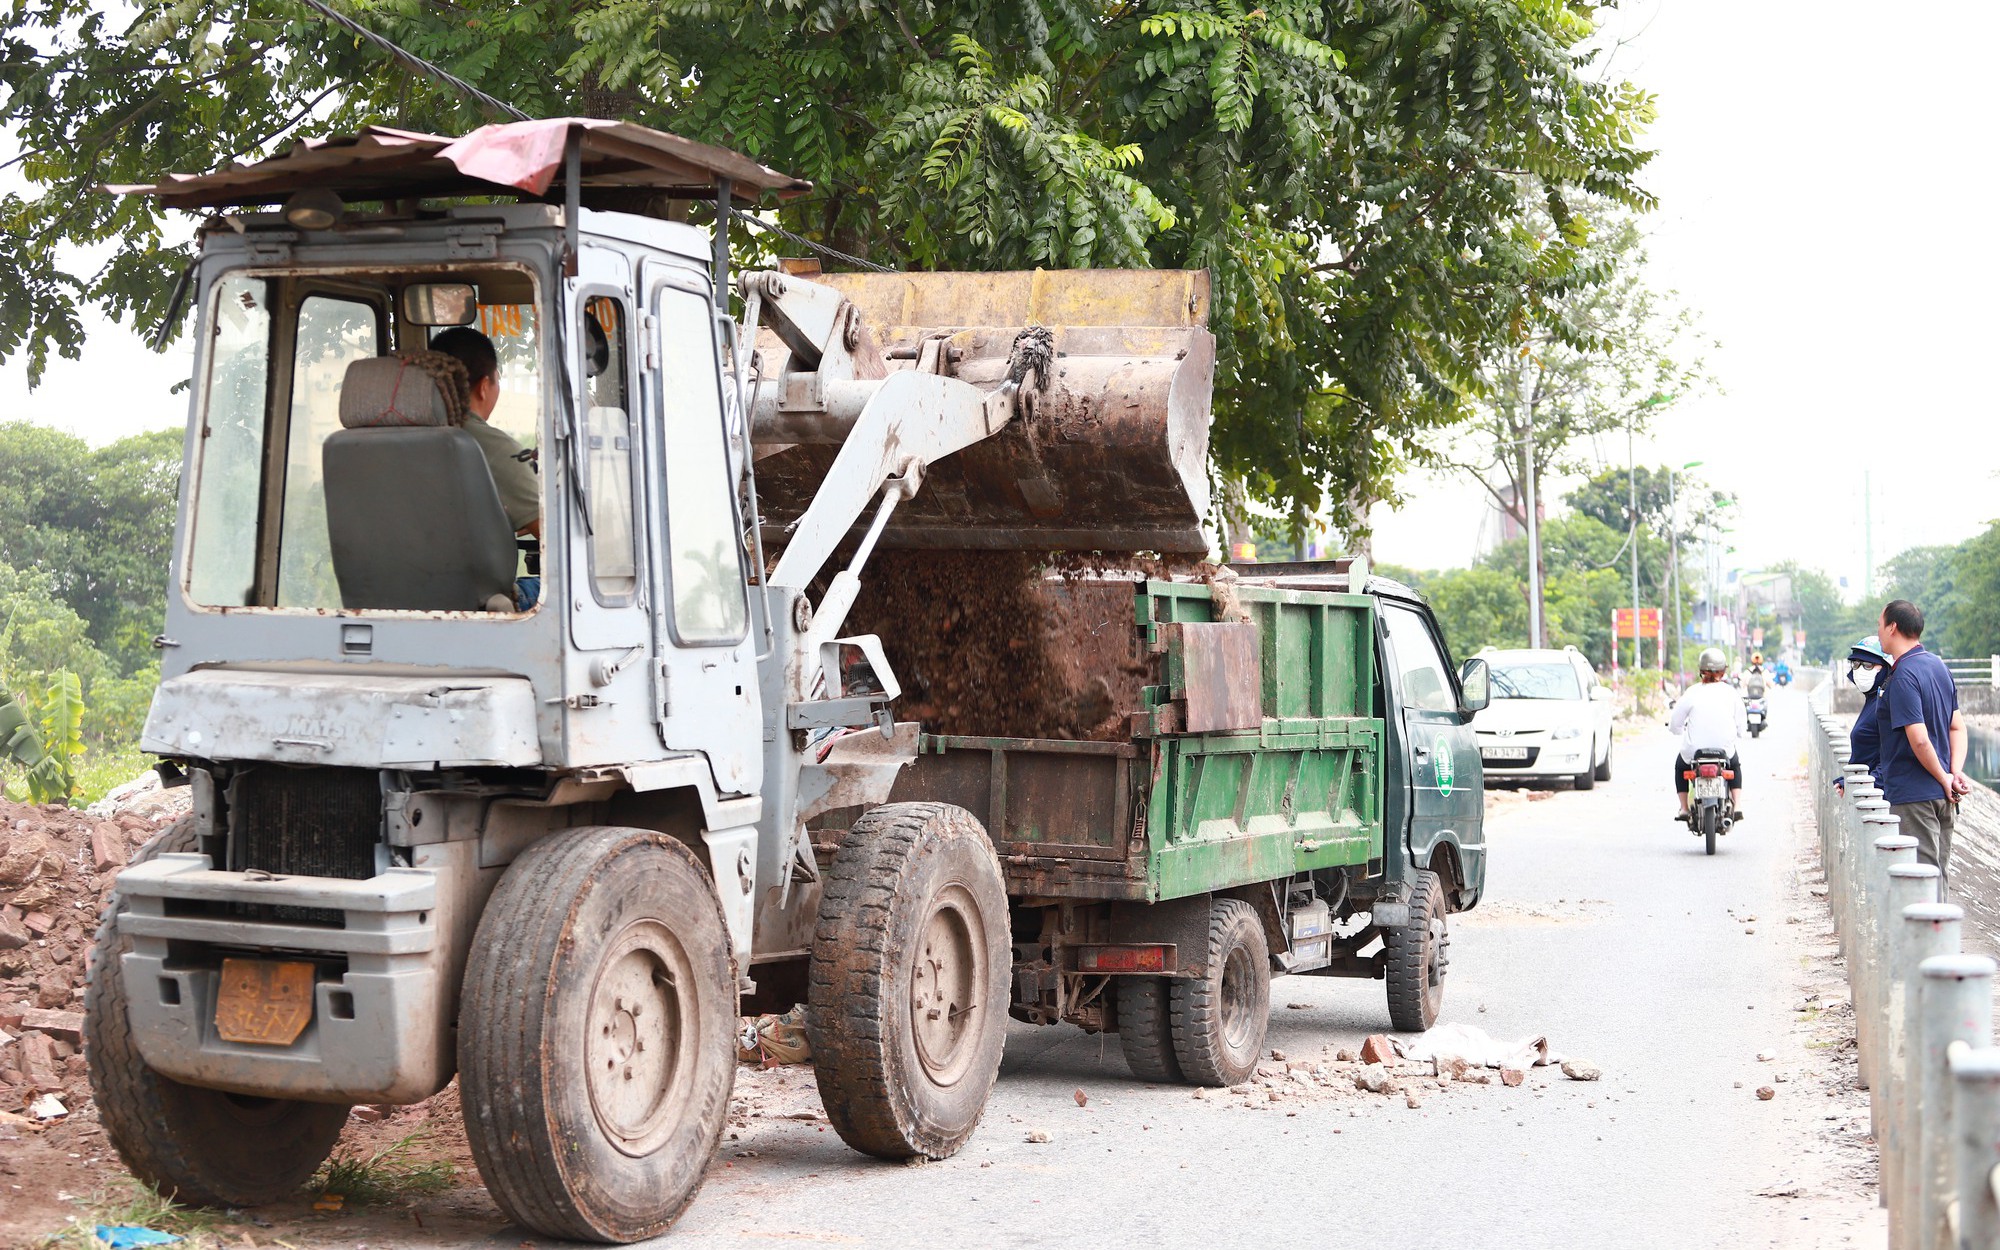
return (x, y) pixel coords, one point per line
(1605, 929)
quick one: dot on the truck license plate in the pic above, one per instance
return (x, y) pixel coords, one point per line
(1503, 753)
(263, 1001)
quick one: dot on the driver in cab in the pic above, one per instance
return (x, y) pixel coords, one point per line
(1709, 717)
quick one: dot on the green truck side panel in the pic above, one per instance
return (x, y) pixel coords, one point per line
(1300, 791)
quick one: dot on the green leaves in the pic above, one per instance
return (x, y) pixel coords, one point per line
(45, 738)
(1353, 174)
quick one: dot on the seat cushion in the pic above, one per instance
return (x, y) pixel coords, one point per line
(414, 520)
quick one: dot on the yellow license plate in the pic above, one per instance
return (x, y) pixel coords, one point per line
(264, 1001)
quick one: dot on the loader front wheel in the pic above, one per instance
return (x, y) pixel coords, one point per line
(596, 1047)
(199, 1146)
(1219, 1018)
(911, 964)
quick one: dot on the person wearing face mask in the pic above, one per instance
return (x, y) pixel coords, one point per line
(1868, 670)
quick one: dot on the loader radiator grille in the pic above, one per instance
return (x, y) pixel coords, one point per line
(306, 822)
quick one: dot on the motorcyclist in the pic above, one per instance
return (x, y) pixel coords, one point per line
(1868, 671)
(1709, 717)
(1753, 681)
(1781, 672)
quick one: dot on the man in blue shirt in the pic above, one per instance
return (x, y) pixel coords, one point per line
(1920, 766)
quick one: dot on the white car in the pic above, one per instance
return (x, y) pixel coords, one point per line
(1550, 719)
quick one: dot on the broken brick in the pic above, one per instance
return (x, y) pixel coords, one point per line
(107, 848)
(67, 1025)
(1376, 1049)
(1512, 1076)
(13, 929)
(39, 923)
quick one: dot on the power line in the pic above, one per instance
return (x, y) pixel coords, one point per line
(416, 62)
(833, 253)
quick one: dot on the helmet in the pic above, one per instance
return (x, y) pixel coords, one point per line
(1712, 660)
(1756, 658)
(1868, 651)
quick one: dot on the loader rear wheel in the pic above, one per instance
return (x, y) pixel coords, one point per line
(596, 1046)
(1416, 958)
(1219, 1018)
(911, 964)
(1145, 1028)
(199, 1146)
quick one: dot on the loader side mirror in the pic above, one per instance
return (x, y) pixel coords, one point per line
(440, 304)
(1475, 684)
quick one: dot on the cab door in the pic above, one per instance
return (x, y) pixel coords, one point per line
(1447, 794)
(708, 696)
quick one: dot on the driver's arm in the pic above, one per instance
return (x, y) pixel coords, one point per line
(1677, 721)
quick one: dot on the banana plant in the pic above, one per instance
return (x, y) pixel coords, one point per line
(46, 738)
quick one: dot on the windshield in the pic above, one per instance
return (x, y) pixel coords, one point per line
(285, 351)
(1535, 681)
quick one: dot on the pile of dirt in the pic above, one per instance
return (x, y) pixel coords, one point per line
(57, 867)
(991, 643)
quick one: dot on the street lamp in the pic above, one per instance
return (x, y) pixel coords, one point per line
(1674, 543)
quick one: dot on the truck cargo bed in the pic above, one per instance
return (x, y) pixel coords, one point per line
(1254, 754)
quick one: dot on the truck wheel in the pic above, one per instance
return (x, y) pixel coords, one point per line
(196, 1145)
(911, 964)
(1145, 1028)
(596, 1049)
(1604, 769)
(1587, 779)
(1416, 958)
(1218, 1019)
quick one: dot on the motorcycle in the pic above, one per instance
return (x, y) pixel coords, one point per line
(1710, 809)
(1782, 675)
(1754, 715)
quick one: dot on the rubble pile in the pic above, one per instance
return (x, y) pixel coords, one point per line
(57, 867)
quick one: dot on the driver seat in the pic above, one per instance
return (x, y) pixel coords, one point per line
(412, 515)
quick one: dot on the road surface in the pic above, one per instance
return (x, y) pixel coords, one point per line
(1605, 928)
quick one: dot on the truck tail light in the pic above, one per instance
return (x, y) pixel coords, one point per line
(1709, 770)
(1122, 958)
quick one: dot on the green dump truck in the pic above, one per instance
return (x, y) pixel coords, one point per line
(1294, 788)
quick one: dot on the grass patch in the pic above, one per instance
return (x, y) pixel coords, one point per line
(390, 1173)
(132, 1202)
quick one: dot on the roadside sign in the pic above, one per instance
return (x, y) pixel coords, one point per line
(1649, 623)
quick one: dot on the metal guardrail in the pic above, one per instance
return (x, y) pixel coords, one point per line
(1981, 670)
(1923, 1013)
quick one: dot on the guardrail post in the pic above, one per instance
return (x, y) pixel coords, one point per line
(1957, 1006)
(1867, 970)
(1928, 929)
(1975, 1152)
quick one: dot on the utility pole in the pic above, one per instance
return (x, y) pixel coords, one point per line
(1867, 535)
(1632, 481)
(1534, 539)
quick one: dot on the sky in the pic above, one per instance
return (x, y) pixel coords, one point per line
(1825, 187)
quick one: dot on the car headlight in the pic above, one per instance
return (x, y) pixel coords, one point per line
(1569, 732)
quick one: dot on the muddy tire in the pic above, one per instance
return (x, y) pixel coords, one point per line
(911, 966)
(1218, 1020)
(198, 1146)
(595, 1043)
(1415, 955)
(1145, 1029)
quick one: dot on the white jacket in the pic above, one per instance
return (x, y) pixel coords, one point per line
(1710, 717)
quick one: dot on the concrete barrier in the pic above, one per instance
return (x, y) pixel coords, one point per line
(1922, 1009)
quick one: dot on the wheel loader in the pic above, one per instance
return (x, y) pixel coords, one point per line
(543, 789)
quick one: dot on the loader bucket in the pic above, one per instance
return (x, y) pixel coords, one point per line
(1111, 456)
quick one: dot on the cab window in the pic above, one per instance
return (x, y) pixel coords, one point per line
(614, 572)
(1425, 681)
(704, 564)
(280, 351)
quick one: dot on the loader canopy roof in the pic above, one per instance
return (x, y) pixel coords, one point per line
(519, 158)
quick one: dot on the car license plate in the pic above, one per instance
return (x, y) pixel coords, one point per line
(1503, 753)
(263, 1001)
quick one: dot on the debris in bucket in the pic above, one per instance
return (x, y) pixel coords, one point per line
(772, 1040)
